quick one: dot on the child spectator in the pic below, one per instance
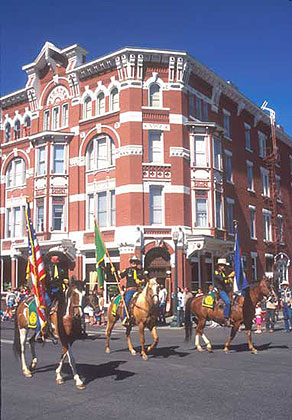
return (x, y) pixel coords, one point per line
(258, 318)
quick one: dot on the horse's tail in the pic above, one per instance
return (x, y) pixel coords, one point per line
(188, 321)
(16, 342)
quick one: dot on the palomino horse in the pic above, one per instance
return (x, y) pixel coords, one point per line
(67, 326)
(143, 312)
(242, 311)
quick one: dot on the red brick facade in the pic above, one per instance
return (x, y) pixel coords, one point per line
(150, 142)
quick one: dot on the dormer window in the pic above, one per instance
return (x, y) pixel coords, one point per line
(87, 108)
(100, 104)
(155, 96)
(7, 132)
(17, 130)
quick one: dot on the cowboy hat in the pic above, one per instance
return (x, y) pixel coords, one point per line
(134, 259)
(285, 282)
(222, 261)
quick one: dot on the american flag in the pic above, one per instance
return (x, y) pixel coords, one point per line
(37, 269)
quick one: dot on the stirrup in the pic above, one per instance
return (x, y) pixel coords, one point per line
(125, 322)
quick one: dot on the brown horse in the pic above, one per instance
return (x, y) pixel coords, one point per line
(242, 311)
(66, 322)
(143, 312)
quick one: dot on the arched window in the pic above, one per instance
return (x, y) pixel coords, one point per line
(27, 125)
(100, 104)
(15, 174)
(17, 130)
(7, 132)
(87, 108)
(114, 99)
(100, 153)
(155, 95)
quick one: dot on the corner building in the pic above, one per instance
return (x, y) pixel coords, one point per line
(163, 152)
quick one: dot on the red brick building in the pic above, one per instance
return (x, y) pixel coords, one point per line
(151, 142)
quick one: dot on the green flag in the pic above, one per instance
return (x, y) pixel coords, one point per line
(100, 252)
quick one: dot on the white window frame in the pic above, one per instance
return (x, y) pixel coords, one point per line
(218, 160)
(198, 108)
(252, 221)
(151, 209)
(150, 96)
(200, 153)
(191, 99)
(156, 154)
(267, 230)
(46, 121)
(92, 163)
(7, 134)
(17, 129)
(205, 218)
(10, 222)
(100, 99)
(37, 218)
(12, 173)
(262, 144)
(278, 187)
(87, 107)
(63, 227)
(249, 167)
(254, 266)
(38, 152)
(54, 160)
(55, 118)
(65, 115)
(280, 228)
(220, 226)
(92, 209)
(265, 182)
(114, 105)
(226, 124)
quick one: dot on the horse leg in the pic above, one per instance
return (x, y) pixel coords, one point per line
(207, 342)
(155, 338)
(142, 340)
(34, 360)
(59, 378)
(200, 331)
(249, 341)
(78, 382)
(129, 342)
(110, 325)
(22, 336)
(232, 335)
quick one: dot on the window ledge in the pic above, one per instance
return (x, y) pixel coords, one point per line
(168, 165)
(15, 187)
(108, 168)
(251, 191)
(254, 239)
(248, 150)
(230, 182)
(227, 138)
(265, 196)
(155, 108)
(268, 243)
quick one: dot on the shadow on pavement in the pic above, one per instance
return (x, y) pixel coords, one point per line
(166, 352)
(91, 372)
(244, 347)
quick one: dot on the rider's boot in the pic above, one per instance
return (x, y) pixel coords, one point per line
(125, 322)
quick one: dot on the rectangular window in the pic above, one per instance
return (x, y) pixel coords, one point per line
(267, 227)
(278, 186)
(59, 166)
(200, 151)
(205, 111)
(55, 118)
(90, 212)
(198, 108)
(252, 225)
(101, 146)
(155, 147)
(65, 115)
(41, 160)
(46, 120)
(58, 217)
(229, 209)
(269, 263)
(8, 223)
(226, 123)
(201, 212)
(254, 267)
(247, 133)
(155, 199)
(262, 145)
(101, 209)
(228, 167)
(17, 228)
(250, 176)
(218, 202)
(191, 105)
(19, 172)
(40, 218)
(265, 182)
(113, 208)
(280, 229)
(217, 154)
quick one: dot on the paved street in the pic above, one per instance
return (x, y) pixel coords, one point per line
(176, 382)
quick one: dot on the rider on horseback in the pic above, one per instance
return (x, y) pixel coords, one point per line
(223, 282)
(135, 279)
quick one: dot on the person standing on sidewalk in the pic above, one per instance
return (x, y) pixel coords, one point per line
(286, 301)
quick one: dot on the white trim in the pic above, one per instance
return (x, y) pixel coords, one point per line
(179, 152)
(157, 127)
(77, 197)
(177, 119)
(268, 212)
(130, 188)
(131, 116)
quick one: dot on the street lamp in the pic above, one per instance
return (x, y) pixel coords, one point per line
(175, 322)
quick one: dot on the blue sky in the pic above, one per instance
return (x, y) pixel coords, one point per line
(245, 41)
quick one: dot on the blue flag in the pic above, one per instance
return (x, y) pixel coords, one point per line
(241, 282)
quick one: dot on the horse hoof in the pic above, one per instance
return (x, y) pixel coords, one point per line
(209, 348)
(27, 374)
(145, 357)
(200, 349)
(32, 367)
(80, 386)
(226, 351)
(254, 351)
(148, 349)
(60, 381)
(133, 352)
(107, 350)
